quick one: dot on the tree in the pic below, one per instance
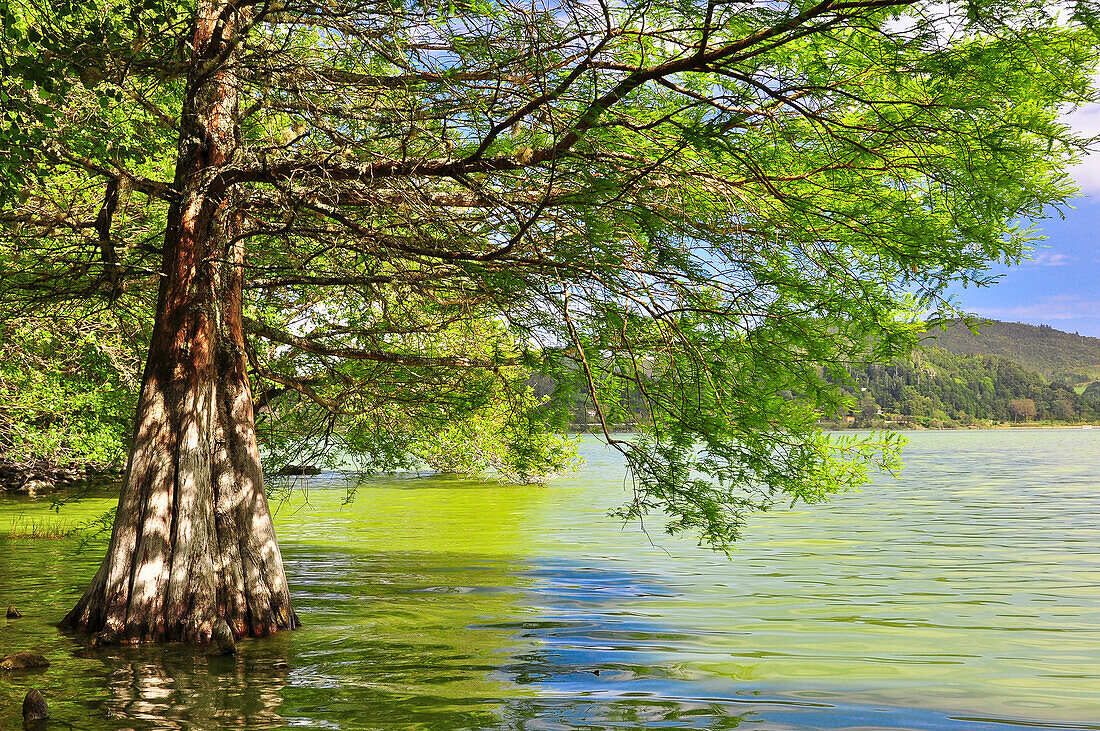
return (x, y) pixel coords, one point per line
(1022, 408)
(964, 388)
(1091, 394)
(387, 215)
(1062, 408)
(868, 408)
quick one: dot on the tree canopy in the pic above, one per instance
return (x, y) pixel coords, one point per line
(709, 205)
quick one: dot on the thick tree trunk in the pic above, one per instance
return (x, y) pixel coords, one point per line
(193, 540)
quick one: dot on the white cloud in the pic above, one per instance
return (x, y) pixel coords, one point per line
(1086, 121)
(1045, 258)
(1087, 174)
(1046, 309)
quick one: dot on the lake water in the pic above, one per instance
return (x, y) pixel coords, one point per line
(964, 595)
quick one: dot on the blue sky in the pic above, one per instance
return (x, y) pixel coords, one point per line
(1060, 286)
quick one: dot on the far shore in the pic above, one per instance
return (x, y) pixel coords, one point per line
(960, 427)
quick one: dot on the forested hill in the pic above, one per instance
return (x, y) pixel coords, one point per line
(936, 388)
(1055, 354)
(1007, 372)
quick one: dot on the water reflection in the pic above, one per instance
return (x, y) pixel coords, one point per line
(600, 656)
(391, 641)
(175, 688)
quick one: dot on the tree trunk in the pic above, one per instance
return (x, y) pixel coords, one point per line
(193, 540)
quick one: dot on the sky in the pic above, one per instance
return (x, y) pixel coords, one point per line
(1060, 286)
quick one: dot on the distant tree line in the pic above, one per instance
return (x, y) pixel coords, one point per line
(934, 387)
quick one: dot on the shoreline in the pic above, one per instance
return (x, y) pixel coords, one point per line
(31, 477)
(969, 427)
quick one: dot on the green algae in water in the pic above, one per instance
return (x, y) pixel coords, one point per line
(965, 595)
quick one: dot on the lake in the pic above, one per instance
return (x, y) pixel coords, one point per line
(963, 595)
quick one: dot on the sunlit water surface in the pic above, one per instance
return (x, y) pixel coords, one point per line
(965, 595)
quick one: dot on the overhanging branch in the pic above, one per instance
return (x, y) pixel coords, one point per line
(378, 356)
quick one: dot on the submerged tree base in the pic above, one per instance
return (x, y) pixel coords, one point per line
(193, 541)
(206, 633)
(256, 611)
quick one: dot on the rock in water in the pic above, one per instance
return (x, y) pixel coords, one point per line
(33, 487)
(13, 613)
(221, 639)
(34, 707)
(299, 470)
(24, 661)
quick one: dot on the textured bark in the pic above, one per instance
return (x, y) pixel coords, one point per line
(193, 539)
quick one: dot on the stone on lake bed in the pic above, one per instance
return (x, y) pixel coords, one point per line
(34, 707)
(24, 661)
(14, 613)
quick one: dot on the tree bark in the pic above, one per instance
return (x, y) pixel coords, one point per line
(193, 539)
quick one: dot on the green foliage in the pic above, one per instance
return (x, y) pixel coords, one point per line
(505, 439)
(747, 477)
(694, 215)
(1091, 395)
(57, 62)
(67, 392)
(481, 422)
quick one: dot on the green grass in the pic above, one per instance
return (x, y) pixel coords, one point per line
(26, 528)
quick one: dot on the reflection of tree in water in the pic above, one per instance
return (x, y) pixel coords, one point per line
(175, 688)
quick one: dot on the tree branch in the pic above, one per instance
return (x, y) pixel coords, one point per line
(378, 356)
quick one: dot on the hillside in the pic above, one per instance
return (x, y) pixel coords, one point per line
(1007, 372)
(938, 388)
(1053, 353)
